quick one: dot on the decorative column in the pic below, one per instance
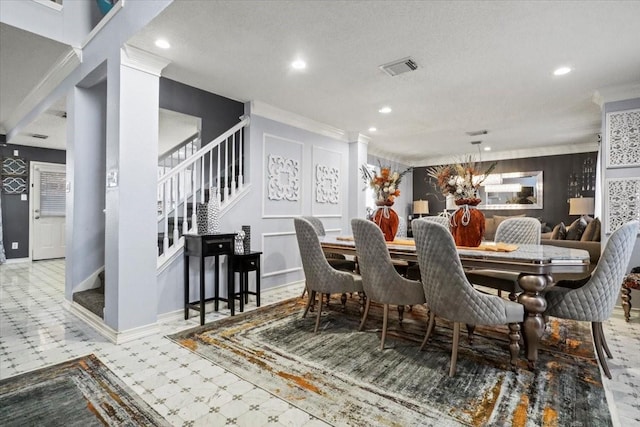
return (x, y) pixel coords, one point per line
(358, 150)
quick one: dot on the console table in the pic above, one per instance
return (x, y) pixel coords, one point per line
(243, 264)
(202, 246)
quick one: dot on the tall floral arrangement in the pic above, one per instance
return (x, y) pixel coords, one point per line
(460, 179)
(384, 186)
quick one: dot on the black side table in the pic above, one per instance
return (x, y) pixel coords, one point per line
(243, 264)
(202, 246)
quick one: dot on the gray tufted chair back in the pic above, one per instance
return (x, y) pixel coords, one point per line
(402, 228)
(317, 224)
(447, 290)
(442, 220)
(381, 282)
(319, 275)
(450, 295)
(519, 231)
(594, 301)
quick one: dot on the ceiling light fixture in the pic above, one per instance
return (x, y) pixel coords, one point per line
(561, 71)
(372, 129)
(385, 110)
(299, 64)
(487, 148)
(162, 44)
(477, 132)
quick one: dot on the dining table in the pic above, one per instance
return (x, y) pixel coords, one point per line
(536, 266)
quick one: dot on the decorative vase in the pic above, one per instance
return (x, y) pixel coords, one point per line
(467, 223)
(387, 219)
(238, 248)
(202, 217)
(214, 208)
(247, 238)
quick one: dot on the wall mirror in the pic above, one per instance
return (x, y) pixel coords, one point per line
(511, 190)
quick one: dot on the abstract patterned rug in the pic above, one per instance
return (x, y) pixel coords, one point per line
(79, 392)
(341, 376)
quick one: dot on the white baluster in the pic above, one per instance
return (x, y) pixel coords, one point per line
(226, 169)
(193, 194)
(218, 174)
(201, 179)
(176, 235)
(165, 241)
(233, 165)
(240, 158)
(185, 221)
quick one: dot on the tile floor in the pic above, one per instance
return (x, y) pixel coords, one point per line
(36, 331)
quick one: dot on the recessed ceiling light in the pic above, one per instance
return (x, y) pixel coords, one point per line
(385, 110)
(299, 64)
(162, 44)
(561, 71)
(372, 129)
(487, 148)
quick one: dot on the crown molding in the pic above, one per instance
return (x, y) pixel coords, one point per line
(551, 150)
(64, 66)
(142, 60)
(354, 137)
(267, 111)
(616, 93)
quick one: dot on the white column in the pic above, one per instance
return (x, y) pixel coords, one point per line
(358, 147)
(132, 170)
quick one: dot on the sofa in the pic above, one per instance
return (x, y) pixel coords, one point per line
(583, 233)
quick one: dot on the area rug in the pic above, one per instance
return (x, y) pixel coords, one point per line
(340, 376)
(79, 392)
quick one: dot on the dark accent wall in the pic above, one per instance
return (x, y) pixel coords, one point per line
(217, 112)
(556, 174)
(15, 212)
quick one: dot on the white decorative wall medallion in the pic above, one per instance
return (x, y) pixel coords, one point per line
(284, 178)
(623, 138)
(622, 202)
(327, 189)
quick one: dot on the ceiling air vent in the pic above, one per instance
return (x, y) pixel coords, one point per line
(399, 67)
(39, 136)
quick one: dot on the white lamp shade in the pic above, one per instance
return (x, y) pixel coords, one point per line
(420, 207)
(581, 206)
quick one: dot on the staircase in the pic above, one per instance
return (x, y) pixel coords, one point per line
(182, 185)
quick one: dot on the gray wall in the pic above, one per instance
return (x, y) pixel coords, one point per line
(555, 171)
(15, 212)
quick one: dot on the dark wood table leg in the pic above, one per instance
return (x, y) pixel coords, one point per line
(626, 301)
(216, 290)
(230, 288)
(202, 291)
(186, 286)
(258, 281)
(534, 305)
(241, 293)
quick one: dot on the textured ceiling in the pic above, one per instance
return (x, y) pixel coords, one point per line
(482, 65)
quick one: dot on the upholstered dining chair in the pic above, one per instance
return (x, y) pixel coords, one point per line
(380, 280)
(518, 231)
(319, 275)
(593, 302)
(413, 271)
(337, 261)
(450, 296)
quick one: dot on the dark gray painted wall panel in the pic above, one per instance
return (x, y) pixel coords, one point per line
(15, 212)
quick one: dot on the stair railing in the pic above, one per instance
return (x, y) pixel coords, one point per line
(185, 184)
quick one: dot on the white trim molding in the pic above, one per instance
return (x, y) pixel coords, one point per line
(142, 60)
(616, 93)
(267, 111)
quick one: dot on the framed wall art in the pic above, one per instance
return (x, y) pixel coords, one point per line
(623, 139)
(622, 202)
(14, 175)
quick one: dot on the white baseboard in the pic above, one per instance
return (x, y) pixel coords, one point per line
(106, 331)
(17, 260)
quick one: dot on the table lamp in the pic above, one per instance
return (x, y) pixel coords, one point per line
(581, 206)
(420, 207)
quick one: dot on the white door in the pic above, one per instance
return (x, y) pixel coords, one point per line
(48, 210)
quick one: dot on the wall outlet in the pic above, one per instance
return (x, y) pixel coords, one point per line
(14, 245)
(16, 153)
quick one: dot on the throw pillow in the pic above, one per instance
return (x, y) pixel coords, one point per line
(590, 232)
(575, 230)
(559, 232)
